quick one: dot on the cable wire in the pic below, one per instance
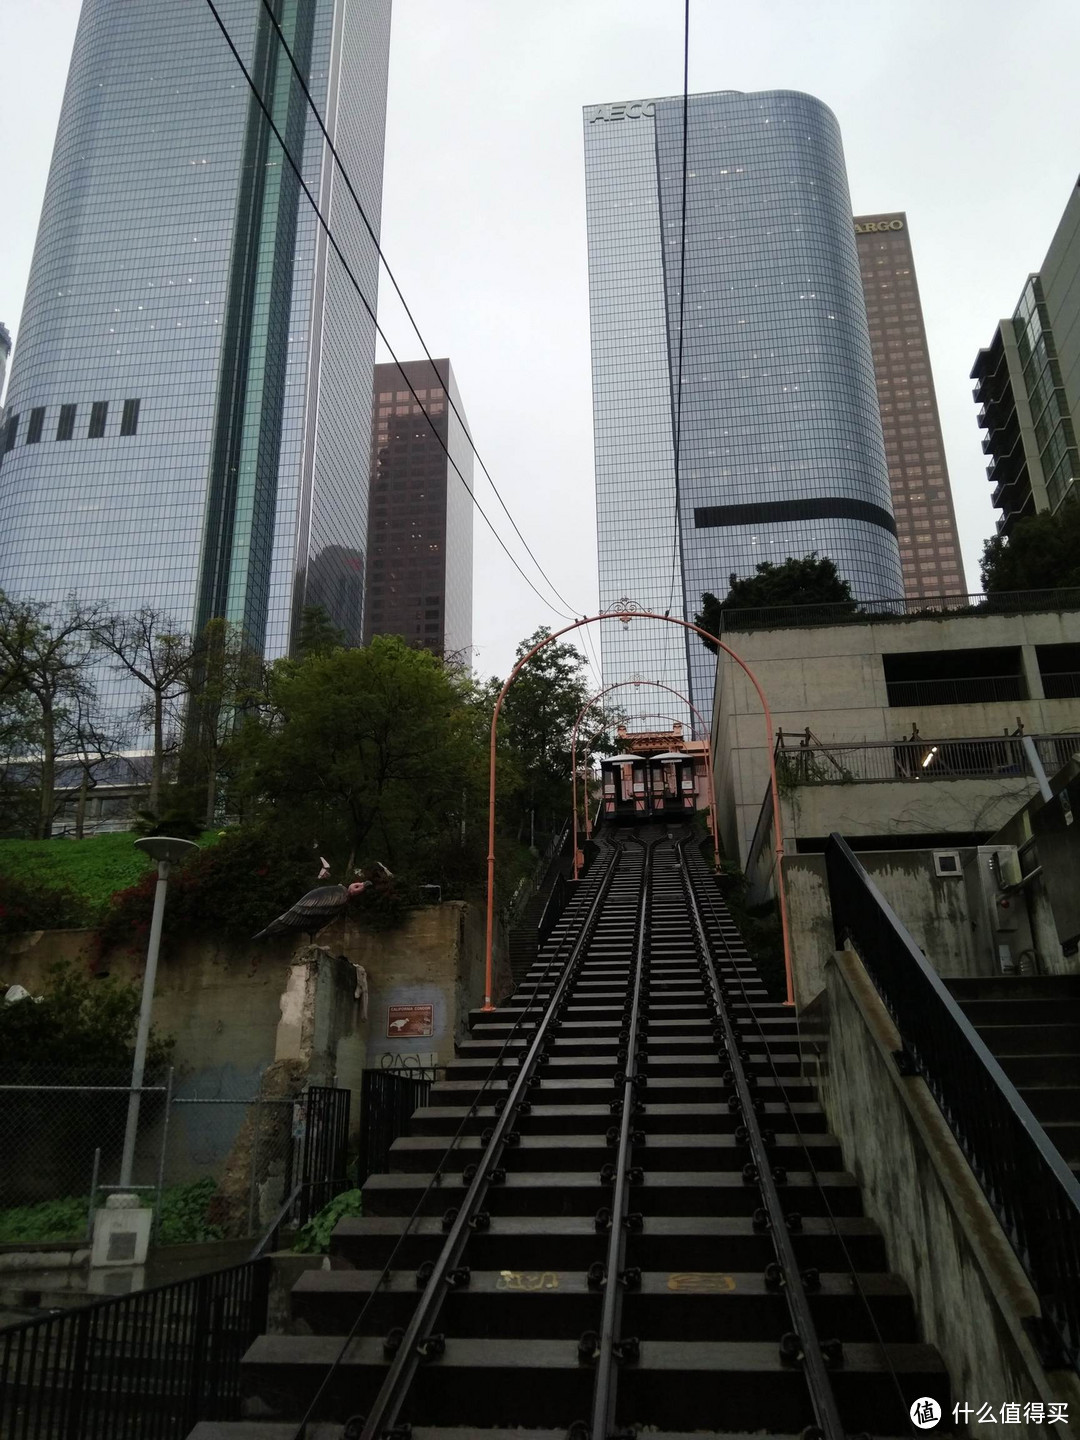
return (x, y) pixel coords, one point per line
(367, 306)
(782, 1096)
(397, 290)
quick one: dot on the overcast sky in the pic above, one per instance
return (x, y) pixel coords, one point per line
(963, 113)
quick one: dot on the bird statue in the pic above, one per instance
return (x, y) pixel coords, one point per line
(314, 910)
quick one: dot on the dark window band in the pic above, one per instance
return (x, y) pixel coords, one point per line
(708, 517)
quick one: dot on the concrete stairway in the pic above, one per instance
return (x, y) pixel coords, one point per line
(1031, 1024)
(709, 1316)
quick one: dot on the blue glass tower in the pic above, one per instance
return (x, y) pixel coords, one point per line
(188, 413)
(780, 443)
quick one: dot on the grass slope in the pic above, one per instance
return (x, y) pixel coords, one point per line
(94, 868)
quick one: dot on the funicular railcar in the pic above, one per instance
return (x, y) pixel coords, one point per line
(638, 788)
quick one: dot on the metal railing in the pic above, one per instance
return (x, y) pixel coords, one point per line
(963, 690)
(148, 1366)
(864, 612)
(324, 1149)
(528, 885)
(1063, 685)
(557, 901)
(875, 761)
(1032, 1191)
(914, 760)
(387, 1101)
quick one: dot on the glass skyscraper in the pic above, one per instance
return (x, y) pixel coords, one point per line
(780, 442)
(188, 414)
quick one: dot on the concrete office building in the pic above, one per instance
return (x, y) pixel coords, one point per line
(780, 445)
(420, 526)
(1028, 385)
(914, 448)
(186, 423)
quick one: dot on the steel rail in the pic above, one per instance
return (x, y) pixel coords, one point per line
(822, 1397)
(436, 1179)
(797, 1130)
(446, 1271)
(605, 1387)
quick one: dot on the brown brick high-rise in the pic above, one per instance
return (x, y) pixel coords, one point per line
(918, 473)
(420, 523)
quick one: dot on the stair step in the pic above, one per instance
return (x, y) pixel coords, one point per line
(554, 1304)
(502, 1381)
(591, 1151)
(541, 1194)
(515, 1242)
(566, 1119)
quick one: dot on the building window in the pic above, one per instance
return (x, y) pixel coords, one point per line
(98, 412)
(66, 427)
(129, 419)
(37, 423)
(954, 677)
(10, 431)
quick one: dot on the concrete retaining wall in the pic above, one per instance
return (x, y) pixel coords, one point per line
(973, 1299)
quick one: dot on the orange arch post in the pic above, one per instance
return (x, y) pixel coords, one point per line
(626, 613)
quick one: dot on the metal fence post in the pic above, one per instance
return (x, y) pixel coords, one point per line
(96, 1170)
(161, 1157)
(76, 1391)
(255, 1160)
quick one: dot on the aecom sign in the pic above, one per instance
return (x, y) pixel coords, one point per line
(878, 227)
(631, 110)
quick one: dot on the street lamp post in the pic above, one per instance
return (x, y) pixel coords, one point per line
(167, 850)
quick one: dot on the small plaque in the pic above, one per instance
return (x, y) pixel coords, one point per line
(122, 1245)
(405, 1022)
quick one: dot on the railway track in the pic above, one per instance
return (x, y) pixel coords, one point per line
(620, 1212)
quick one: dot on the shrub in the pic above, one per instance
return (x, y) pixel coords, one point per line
(27, 903)
(48, 1222)
(314, 1237)
(182, 1220)
(230, 889)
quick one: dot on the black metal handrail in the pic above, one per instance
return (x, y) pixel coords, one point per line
(1032, 1191)
(557, 901)
(149, 1365)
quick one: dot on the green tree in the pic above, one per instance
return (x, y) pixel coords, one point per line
(318, 633)
(45, 654)
(147, 646)
(227, 678)
(1042, 553)
(813, 580)
(371, 754)
(537, 720)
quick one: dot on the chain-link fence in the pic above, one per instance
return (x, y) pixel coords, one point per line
(216, 1161)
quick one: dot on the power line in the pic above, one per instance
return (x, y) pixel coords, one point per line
(397, 290)
(682, 295)
(378, 329)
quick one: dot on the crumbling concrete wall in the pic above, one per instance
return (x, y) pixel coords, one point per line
(934, 908)
(237, 1011)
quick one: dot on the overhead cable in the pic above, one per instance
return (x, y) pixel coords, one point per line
(378, 328)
